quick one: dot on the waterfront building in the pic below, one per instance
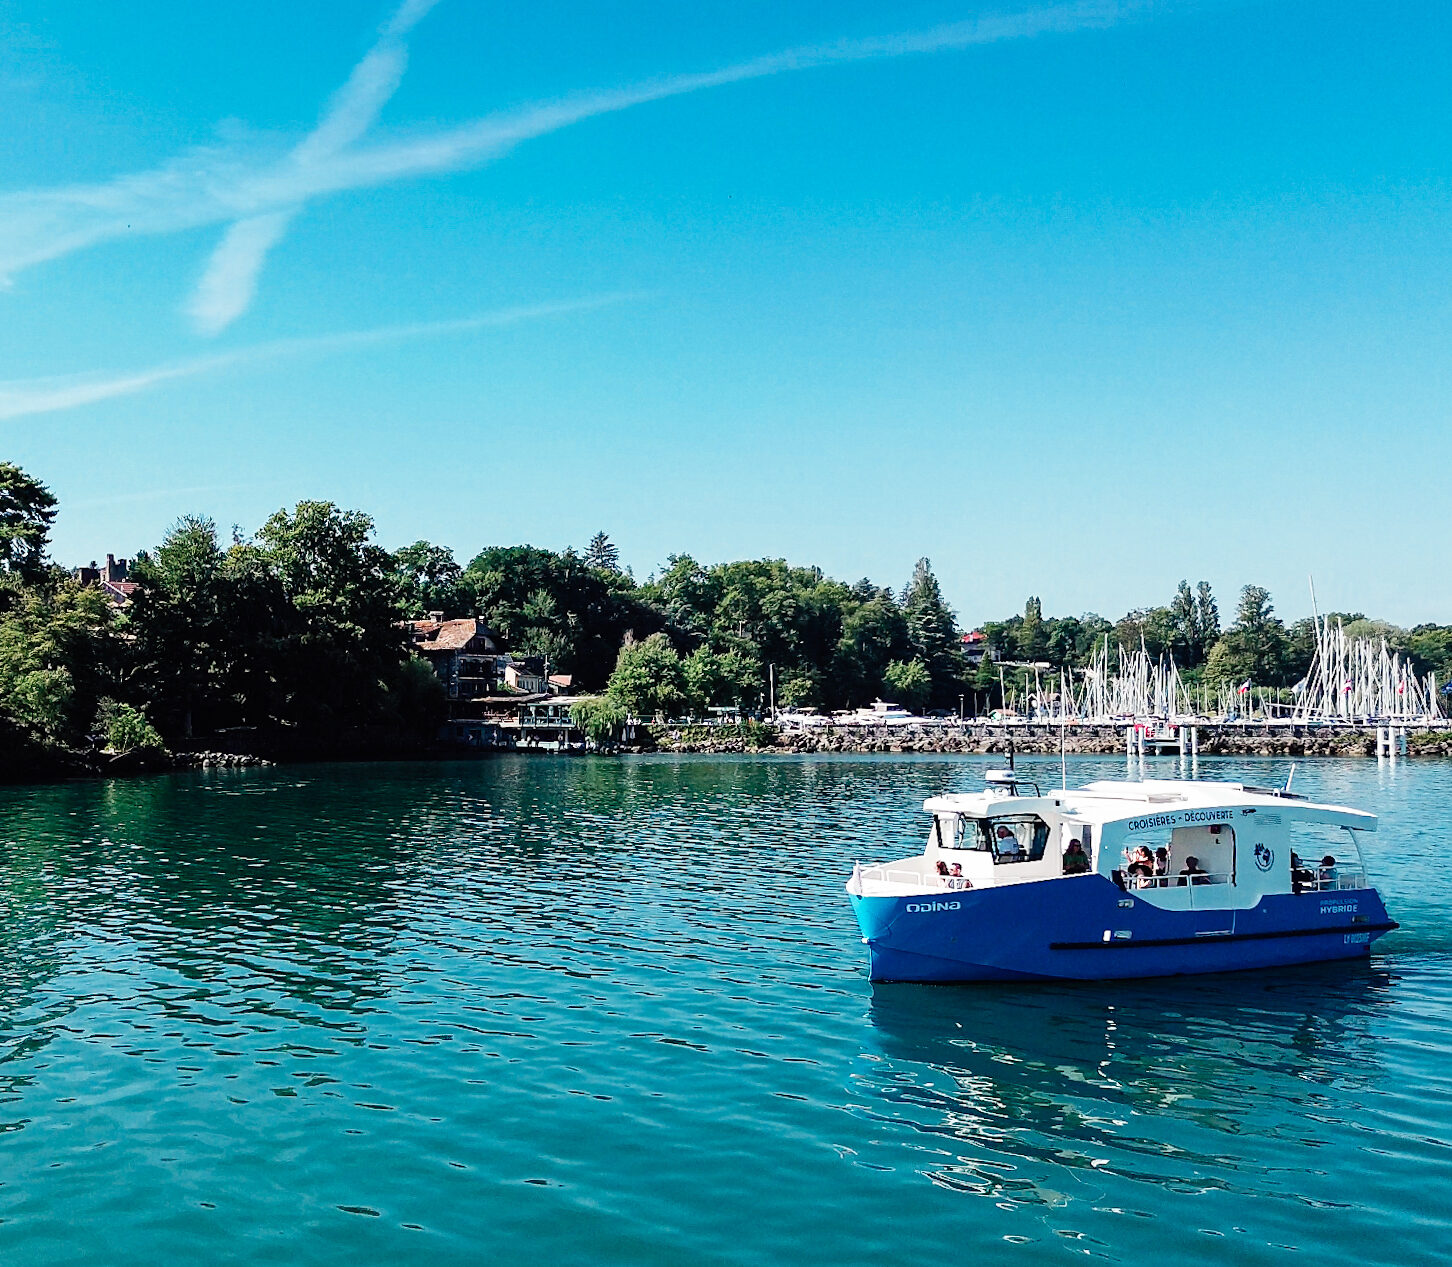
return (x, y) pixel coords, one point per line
(464, 654)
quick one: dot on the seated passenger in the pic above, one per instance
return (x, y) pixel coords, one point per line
(1326, 872)
(1300, 873)
(1076, 861)
(1141, 865)
(1192, 873)
(1006, 845)
(1162, 861)
(943, 868)
(958, 880)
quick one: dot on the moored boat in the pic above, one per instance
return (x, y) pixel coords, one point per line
(1120, 879)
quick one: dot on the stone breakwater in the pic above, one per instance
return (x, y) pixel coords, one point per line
(216, 760)
(1039, 740)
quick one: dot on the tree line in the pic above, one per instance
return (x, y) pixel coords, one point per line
(296, 632)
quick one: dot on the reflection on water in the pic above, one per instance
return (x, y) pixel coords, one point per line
(617, 1011)
(1144, 1081)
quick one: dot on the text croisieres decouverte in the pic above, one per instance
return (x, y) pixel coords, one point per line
(1185, 816)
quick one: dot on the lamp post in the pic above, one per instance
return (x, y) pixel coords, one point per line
(960, 710)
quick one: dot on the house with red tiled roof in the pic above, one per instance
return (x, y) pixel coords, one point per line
(975, 647)
(464, 654)
(111, 578)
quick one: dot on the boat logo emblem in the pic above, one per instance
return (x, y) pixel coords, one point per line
(1264, 857)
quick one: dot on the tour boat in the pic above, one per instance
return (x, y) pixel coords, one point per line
(1016, 884)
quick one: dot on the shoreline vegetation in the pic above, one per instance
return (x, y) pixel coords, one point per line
(295, 643)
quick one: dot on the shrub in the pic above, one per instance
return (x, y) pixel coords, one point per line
(127, 729)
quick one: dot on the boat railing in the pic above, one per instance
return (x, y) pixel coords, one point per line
(1198, 880)
(1332, 879)
(907, 879)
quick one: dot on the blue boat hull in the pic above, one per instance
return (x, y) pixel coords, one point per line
(1086, 928)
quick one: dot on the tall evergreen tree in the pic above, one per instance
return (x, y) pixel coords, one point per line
(933, 632)
(602, 554)
(1031, 638)
(1207, 620)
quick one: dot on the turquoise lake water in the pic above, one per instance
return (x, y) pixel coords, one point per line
(534, 1010)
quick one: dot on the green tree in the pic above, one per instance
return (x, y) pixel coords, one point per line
(933, 632)
(1255, 647)
(910, 683)
(414, 698)
(1207, 621)
(126, 728)
(602, 554)
(430, 580)
(649, 679)
(1031, 639)
(180, 625)
(601, 718)
(1184, 640)
(1150, 627)
(57, 643)
(345, 642)
(27, 510)
(874, 634)
(543, 603)
(724, 679)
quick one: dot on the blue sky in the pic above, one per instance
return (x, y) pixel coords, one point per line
(1074, 299)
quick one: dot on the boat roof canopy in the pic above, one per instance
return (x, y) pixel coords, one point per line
(1109, 801)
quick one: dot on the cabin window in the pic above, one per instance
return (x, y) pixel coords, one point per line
(1008, 837)
(1324, 857)
(1212, 847)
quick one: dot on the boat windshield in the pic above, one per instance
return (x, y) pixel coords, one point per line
(1008, 837)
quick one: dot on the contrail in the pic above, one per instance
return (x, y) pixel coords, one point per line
(21, 398)
(259, 195)
(230, 280)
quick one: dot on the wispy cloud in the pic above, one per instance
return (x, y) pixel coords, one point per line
(230, 280)
(258, 194)
(21, 398)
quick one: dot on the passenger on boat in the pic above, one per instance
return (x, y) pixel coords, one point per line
(1162, 861)
(1007, 845)
(1192, 873)
(1076, 861)
(1326, 872)
(957, 880)
(942, 868)
(1141, 865)
(1300, 873)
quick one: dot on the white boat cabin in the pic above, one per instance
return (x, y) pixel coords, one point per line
(1225, 845)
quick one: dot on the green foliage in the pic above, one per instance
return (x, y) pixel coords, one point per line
(601, 554)
(414, 699)
(557, 605)
(602, 718)
(1255, 649)
(429, 580)
(649, 678)
(909, 683)
(724, 680)
(27, 510)
(57, 655)
(933, 634)
(126, 728)
(1031, 639)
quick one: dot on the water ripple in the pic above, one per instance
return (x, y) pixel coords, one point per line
(594, 1011)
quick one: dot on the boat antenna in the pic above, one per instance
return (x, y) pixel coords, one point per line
(1291, 775)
